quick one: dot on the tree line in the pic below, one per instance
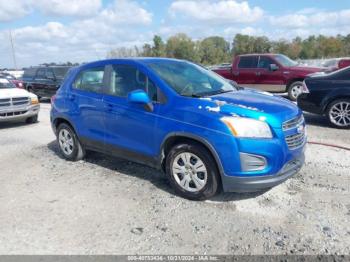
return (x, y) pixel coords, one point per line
(215, 49)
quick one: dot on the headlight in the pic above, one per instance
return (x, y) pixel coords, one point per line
(246, 127)
(34, 101)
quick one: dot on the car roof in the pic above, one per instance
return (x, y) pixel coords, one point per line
(136, 60)
(262, 54)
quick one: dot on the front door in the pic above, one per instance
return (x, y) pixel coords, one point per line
(130, 128)
(268, 79)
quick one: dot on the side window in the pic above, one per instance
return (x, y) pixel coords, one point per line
(30, 72)
(265, 62)
(90, 80)
(50, 74)
(248, 62)
(41, 73)
(125, 78)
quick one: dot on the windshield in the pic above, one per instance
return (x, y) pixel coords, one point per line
(4, 83)
(60, 72)
(188, 79)
(285, 60)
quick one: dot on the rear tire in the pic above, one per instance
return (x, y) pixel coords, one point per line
(69, 144)
(32, 119)
(294, 90)
(338, 113)
(192, 171)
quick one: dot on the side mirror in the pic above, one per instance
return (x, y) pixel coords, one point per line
(273, 67)
(140, 97)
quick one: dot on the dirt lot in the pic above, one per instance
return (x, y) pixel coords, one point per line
(105, 205)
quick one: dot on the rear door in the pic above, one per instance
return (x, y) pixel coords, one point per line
(267, 79)
(245, 73)
(52, 85)
(40, 81)
(85, 101)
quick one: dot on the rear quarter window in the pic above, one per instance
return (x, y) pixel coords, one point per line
(248, 62)
(30, 72)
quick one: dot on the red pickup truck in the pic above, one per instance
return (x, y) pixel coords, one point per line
(268, 72)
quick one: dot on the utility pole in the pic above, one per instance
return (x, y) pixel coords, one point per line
(13, 51)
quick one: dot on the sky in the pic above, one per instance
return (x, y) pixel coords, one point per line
(85, 30)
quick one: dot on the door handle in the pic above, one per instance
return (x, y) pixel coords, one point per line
(235, 73)
(258, 73)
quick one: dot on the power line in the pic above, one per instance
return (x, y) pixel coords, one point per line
(13, 51)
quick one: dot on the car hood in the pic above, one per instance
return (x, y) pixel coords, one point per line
(253, 104)
(14, 92)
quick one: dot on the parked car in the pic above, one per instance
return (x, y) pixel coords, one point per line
(17, 104)
(328, 94)
(337, 63)
(180, 118)
(18, 83)
(268, 72)
(44, 81)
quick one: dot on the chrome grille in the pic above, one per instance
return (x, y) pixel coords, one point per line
(17, 101)
(5, 102)
(295, 141)
(293, 123)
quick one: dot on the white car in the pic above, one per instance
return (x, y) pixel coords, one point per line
(17, 104)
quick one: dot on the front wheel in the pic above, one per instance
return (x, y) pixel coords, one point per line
(69, 144)
(192, 171)
(338, 113)
(294, 90)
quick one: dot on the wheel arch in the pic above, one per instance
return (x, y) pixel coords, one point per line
(293, 80)
(180, 137)
(59, 120)
(330, 100)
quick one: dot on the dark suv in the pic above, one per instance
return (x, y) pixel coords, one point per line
(44, 81)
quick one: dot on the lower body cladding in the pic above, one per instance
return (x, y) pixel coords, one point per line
(18, 113)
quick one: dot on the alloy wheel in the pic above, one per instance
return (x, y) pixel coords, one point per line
(189, 172)
(339, 114)
(66, 141)
(296, 91)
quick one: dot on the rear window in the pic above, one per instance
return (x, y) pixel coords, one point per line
(248, 62)
(30, 72)
(60, 71)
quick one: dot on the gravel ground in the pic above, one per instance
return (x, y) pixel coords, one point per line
(105, 205)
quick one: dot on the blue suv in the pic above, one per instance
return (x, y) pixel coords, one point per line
(204, 132)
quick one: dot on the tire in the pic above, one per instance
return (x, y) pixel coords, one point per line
(32, 119)
(294, 90)
(207, 181)
(336, 116)
(69, 144)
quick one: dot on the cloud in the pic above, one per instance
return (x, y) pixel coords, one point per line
(121, 23)
(68, 7)
(12, 10)
(217, 12)
(312, 18)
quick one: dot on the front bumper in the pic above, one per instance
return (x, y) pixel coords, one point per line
(19, 113)
(257, 183)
